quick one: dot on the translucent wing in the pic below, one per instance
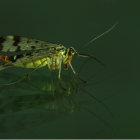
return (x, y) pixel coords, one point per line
(17, 44)
(35, 55)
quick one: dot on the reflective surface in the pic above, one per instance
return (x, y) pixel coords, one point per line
(43, 107)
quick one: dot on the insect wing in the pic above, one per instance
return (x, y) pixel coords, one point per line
(35, 55)
(17, 44)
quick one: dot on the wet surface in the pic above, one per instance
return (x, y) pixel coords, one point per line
(43, 107)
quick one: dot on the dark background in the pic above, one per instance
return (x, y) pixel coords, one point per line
(74, 23)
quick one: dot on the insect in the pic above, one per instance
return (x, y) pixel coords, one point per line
(32, 53)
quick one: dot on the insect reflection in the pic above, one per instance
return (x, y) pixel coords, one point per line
(48, 95)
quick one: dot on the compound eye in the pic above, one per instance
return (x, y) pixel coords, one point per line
(72, 50)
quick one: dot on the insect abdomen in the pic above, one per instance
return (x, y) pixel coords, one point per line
(52, 62)
(33, 63)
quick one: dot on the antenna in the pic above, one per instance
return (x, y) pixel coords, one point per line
(90, 56)
(101, 35)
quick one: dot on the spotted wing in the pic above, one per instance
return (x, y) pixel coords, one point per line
(34, 55)
(17, 44)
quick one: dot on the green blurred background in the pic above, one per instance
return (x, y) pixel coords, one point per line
(74, 23)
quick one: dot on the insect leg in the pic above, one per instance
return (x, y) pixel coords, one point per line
(59, 71)
(60, 64)
(25, 76)
(59, 76)
(60, 81)
(6, 65)
(72, 69)
(76, 74)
